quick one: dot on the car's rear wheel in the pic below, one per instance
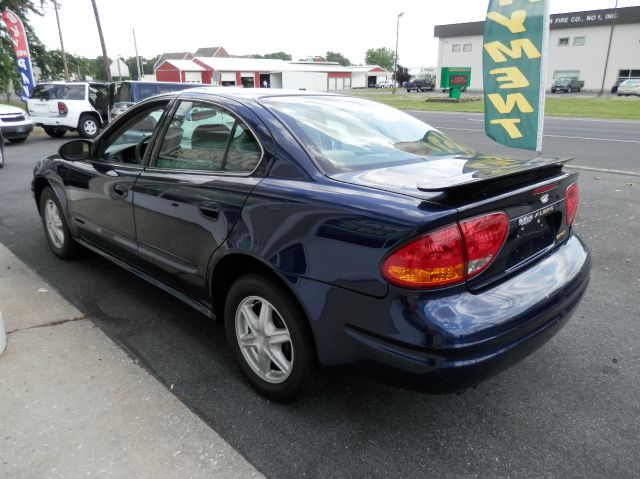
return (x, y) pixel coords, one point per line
(270, 339)
(55, 226)
(55, 132)
(88, 126)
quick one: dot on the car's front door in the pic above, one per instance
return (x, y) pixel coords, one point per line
(100, 190)
(187, 201)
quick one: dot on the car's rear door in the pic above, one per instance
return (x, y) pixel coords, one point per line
(190, 196)
(100, 190)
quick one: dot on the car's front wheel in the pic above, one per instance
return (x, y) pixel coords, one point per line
(88, 127)
(270, 338)
(55, 226)
(18, 140)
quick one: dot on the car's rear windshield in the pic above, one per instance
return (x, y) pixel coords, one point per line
(346, 134)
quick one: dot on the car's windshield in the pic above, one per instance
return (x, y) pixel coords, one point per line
(631, 83)
(345, 134)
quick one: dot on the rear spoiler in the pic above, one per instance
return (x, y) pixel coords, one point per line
(487, 175)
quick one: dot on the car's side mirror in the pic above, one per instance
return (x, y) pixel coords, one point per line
(75, 150)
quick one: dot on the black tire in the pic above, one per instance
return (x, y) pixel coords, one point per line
(17, 140)
(88, 126)
(1, 154)
(304, 374)
(55, 132)
(66, 248)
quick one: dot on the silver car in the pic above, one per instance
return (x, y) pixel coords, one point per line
(629, 87)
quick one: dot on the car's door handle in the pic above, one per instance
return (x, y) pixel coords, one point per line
(120, 190)
(210, 210)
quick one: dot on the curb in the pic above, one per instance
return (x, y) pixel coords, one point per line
(3, 335)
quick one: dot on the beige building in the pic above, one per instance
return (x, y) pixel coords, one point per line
(578, 44)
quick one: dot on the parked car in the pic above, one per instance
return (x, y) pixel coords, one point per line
(15, 123)
(567, 84)
(62, 106)
(419, 85)
(326, 230)
(385, 84)
(125, 94)
(1, 150)
(629, 88)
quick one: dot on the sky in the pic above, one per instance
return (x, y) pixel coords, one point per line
(301, 28)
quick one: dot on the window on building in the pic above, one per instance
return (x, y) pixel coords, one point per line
(467, 47)
(455, 48)
(579, 41)
(563, 42)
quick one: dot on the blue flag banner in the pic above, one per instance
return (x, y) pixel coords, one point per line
(21, 49)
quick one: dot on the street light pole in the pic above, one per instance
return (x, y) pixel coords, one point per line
(105, 58)
(64, 55)
(606, 63)
(395, 58)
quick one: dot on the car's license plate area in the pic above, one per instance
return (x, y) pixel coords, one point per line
(535, 233)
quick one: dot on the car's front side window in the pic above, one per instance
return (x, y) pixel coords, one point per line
(201, 136)
(120, 146)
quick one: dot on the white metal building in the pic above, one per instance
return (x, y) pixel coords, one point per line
(368, 76)
(578, 44)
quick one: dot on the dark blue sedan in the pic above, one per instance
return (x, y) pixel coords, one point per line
(326, 230)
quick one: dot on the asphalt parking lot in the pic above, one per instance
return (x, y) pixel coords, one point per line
(569, 410)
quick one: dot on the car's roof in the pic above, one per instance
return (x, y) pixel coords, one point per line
(250, 94)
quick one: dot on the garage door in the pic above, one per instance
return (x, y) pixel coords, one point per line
(228, 77)
(193, 77)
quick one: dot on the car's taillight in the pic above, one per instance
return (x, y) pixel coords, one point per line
(572, 203)
(62, 108)
(430, 261)
(449, 255)
(483, 238)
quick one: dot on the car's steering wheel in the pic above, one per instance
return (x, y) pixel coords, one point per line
(138, 151)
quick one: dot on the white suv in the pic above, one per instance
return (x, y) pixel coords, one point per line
(58, 107)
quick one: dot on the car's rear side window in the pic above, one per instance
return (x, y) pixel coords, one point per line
(201, 136)
(74, 92)
(46, 91)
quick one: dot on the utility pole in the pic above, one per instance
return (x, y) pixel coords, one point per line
(395, 59)
(606, 63)
(135, 45)
(105, 58)
(64, 55)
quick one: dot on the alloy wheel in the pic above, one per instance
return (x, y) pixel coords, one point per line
(55, 228)
(264, 339)
(90, 127)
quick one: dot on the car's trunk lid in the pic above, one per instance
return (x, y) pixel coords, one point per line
(531, 192)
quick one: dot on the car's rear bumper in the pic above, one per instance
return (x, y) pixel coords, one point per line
(451, 340)
(11, 131)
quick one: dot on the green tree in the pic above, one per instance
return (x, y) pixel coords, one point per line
(338, 57)
(278, 56)
(39, 54)
(383, 57)
(402, 75)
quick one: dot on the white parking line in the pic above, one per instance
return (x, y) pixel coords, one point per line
(603, 170)
(553, 136)
(547, 118)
